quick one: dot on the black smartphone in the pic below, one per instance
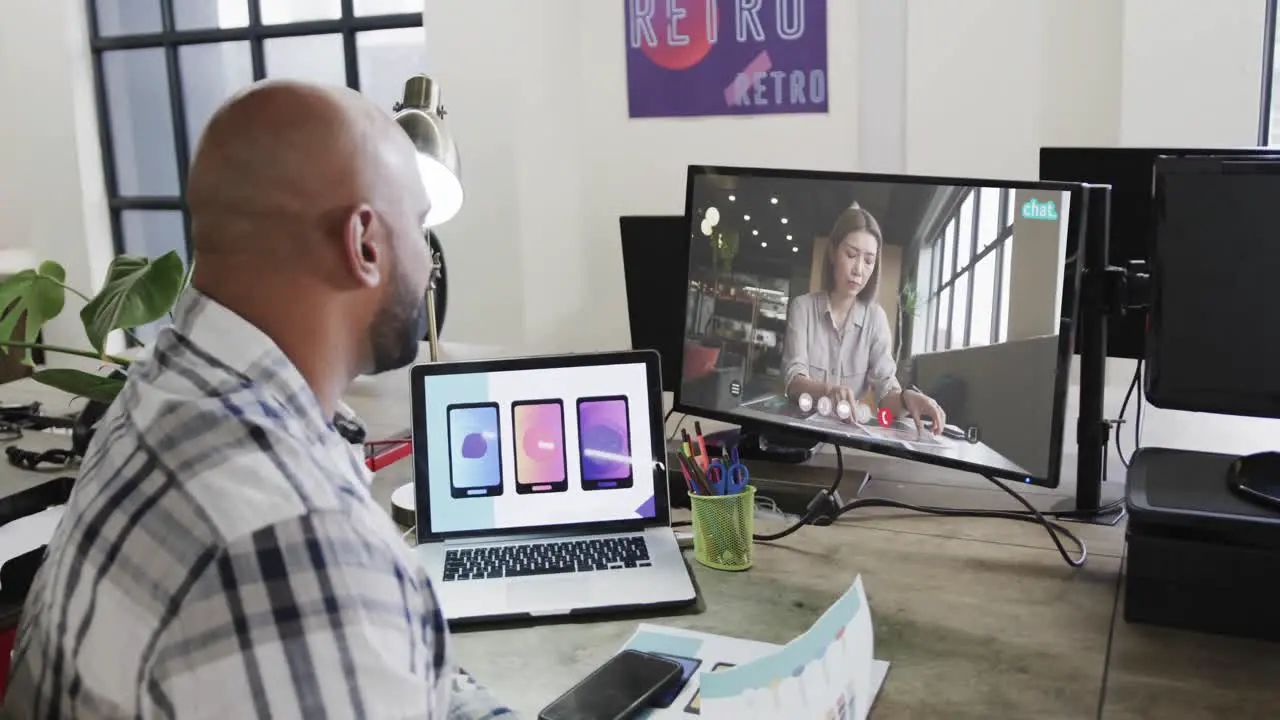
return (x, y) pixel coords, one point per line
(617, 690)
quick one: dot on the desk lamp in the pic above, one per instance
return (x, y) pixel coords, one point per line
(421, 116)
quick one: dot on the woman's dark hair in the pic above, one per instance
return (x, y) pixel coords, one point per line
(851, 220)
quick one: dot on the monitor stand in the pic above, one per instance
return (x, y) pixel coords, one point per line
(769, 445)
(1256, 478)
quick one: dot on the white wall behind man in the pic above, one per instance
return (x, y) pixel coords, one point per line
(552, 160)
(52, 196)
(921, 86)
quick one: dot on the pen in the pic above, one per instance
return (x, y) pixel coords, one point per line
(688, 480)
(703, 460)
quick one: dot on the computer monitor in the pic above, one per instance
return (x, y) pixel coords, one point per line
(892, 293)
(1129, 172)
(1211, 346)
(655, 292)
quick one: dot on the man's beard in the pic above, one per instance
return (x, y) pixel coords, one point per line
(399, 326)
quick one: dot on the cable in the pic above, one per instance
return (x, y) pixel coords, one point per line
(1124, 409)
(675, 430)
(1137, 425)
(1056, 530)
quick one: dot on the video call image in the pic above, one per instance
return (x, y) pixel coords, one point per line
(923, 317)
(529, 447)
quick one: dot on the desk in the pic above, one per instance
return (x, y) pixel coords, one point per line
(980, 618)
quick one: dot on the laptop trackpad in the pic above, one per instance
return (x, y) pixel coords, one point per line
(550, 594)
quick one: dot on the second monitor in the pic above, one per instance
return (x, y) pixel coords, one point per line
(919, 317)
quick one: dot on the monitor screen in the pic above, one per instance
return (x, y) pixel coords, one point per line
(655, 294)
(846, 306)
(1211, 346)
(523, 448)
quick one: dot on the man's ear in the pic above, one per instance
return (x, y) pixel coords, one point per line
(364, 244)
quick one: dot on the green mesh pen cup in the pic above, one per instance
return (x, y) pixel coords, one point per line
(722, 529)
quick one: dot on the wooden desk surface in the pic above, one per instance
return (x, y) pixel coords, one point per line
(980, 618)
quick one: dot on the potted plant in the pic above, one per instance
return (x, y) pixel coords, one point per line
(137, 291)
(907, 299)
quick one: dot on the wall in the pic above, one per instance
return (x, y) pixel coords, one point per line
(551, 160)
(1035, 265)
(52, 196)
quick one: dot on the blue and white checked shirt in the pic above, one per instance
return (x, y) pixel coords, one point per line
(221, 557)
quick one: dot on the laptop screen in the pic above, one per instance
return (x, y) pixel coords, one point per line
(531, 448)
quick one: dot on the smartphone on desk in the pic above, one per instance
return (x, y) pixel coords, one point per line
(617, 690)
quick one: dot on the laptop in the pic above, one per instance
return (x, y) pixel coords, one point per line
(541, 486)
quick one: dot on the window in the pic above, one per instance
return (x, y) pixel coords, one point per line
(1269, 122)
(163, 66)
(964, 273)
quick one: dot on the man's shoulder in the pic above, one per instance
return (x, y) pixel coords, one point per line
(237, 458)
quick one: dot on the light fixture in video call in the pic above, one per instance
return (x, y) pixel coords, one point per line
(916, 317)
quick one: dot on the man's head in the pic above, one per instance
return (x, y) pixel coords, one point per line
(307, 212)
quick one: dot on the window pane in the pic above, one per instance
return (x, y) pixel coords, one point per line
(311, 58)
(152, 233)
(984, 298)
(211, 13)
(988, 216)
(964, 249)
(210, 74)
(276, 12)
(137, 88)
(125, 17)
(387, 58)
(1003, 330)
(959, 306)
(944, 320)
(387, 7)
(948, 251)
(1008, 207)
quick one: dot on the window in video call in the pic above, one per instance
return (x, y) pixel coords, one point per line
(547, 446)
(921, 317)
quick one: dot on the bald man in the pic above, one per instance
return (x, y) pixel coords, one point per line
(221, 556)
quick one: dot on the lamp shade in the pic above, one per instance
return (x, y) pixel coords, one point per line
(421, 116)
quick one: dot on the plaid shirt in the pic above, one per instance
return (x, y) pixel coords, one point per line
(221, 557)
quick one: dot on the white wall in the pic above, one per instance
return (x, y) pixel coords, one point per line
(551, 160)
(537, 95)
(52, 195)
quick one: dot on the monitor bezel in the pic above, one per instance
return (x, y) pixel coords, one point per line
(419, 431)
(1066, 324)
(1250, 403)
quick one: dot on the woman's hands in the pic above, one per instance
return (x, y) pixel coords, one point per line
(921, 406)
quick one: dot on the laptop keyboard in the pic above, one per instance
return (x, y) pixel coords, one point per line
(546, 558)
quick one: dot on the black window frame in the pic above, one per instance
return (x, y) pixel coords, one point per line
(1268, 74)
(943, 280)
(170, 39)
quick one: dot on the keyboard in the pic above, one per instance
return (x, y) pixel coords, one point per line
(546, 558)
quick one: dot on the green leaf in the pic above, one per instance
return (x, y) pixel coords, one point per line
(36, 295)
(80, 383)
(138, 290)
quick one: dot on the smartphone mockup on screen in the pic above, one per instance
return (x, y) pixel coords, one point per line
(538, 426)
(620, 689)
(604, 442)
(475, 455)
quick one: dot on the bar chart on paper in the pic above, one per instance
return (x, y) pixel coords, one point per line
(828, 673)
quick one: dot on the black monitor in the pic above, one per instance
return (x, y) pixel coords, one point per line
(817, 301)
(1129, 172)
(655, 292)
(1212, 346)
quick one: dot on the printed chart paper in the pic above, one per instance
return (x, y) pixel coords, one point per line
(828, 673)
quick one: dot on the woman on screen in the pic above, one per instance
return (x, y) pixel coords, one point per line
(838, 342)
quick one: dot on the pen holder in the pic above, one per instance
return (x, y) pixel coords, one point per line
(722, 529)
